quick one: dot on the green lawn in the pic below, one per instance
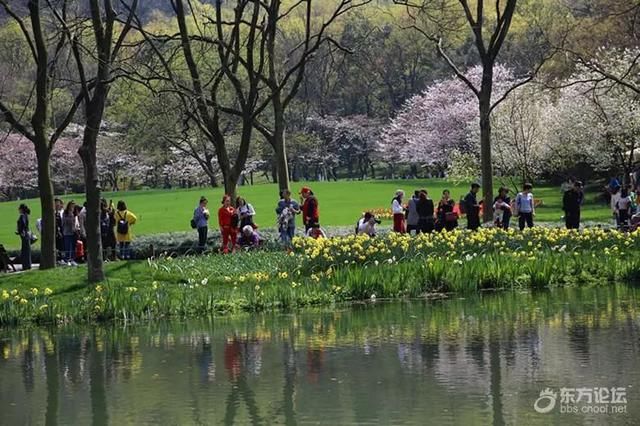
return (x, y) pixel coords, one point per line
(341, 203)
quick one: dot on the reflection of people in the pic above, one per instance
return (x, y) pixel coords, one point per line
(315, 363)
(205, 361)
(232, 358)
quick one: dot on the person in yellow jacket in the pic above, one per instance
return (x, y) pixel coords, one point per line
(124, 220)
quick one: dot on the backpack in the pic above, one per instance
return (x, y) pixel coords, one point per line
(193, 224)
(123, 224)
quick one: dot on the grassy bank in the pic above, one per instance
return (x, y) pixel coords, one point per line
(341, 203)
(324, 272)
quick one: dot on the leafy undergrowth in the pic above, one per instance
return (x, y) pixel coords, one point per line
(323, 272)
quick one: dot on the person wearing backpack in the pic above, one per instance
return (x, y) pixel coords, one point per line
(124, 220)
(107, 234)
(525, 207)
(200, 222)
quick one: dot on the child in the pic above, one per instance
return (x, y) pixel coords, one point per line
(499, 208)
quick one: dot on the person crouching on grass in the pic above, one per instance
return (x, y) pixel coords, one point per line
(249, 238)
(228, 221)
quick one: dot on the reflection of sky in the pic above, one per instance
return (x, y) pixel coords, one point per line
(464, 360)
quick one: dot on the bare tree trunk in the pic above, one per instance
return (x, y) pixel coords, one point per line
(48, 229)
(92, 190)
(485, 160)
(279, 145)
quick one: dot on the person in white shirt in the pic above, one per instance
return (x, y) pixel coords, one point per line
(525, 207)
(367, 225)
(398, 212)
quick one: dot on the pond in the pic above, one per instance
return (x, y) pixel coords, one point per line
(479, 360)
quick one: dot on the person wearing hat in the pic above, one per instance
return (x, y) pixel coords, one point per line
(201, 222)
(310, 212)
(571, 204)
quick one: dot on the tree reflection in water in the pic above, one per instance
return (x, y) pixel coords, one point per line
(450, 362)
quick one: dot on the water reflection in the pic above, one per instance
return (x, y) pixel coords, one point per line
(474, 361)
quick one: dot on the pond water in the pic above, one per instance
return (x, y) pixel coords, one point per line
(478, 360)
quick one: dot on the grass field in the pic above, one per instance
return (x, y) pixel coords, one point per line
(341, 203)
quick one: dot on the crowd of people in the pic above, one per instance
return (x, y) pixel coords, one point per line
(238, 230)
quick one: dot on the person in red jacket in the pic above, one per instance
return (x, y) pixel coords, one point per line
(310, 212)
(228, 221)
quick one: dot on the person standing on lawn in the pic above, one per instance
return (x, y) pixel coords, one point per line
(107, 234)
(571, 204)
(246, 212)
(623, 209)
(69, 232)
(59, 206)
(504, 202)
(228, 222)
(446, 217)
(25, 236)
(201, 221)
(310, 211)
(525, 206)
(472, 207)
(124, 221)
(287, 209)
(425, 213)
(412, 213)
(398, 211)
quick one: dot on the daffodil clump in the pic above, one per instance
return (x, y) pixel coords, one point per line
(461, 245)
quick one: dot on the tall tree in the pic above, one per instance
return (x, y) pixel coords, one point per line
(489, 34)
(39, 36)
(286, 62)
(104, 45)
